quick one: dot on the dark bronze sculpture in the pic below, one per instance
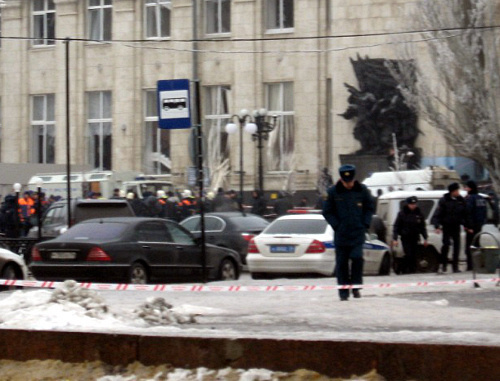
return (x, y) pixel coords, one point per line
(380, 109)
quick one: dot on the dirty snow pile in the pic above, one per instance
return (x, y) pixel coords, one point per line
(71, 292)
(156, 311)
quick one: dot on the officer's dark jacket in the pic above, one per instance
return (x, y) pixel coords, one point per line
(349, 212)
(410, 224)
(476, 212)
(450, 212)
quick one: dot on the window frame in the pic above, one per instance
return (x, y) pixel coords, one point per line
(156, 4)
(45, 124)
(218, 22)
(45, 40)
(281, 114)
(280, 28)
(220, 119)
(102, 24)
(100, 121)
(149, 122)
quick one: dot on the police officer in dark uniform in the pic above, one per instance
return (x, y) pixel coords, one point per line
(410, 225)
(348, 208)
(449, 217)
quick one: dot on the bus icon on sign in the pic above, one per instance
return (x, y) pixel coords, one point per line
(174, 104)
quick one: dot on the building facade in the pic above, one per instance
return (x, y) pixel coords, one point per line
(291, 57)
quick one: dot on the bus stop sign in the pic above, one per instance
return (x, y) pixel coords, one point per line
(174, 111)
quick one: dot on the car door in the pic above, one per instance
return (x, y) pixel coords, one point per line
(54, 220)
(189, 259)
(157, 248)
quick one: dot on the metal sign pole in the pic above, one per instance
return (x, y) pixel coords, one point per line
(199, 162)
(68, 156)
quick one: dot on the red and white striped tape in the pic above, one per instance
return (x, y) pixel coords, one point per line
(234, 288)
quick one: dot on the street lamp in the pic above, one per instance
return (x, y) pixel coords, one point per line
(260, 132)
(39, 184)
(244, 120)
(17, 189)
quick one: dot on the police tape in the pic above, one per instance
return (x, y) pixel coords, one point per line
(235, 288)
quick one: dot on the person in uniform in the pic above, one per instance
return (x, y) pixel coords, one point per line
(348, 208)
(409, 225)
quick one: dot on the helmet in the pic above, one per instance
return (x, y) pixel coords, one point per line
(186, 193)
(161, 194)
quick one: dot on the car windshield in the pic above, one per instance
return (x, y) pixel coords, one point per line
(299, 226)
(95, 231)
(249, 222)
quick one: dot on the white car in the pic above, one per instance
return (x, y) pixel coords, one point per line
(12, 266)
(303, 244)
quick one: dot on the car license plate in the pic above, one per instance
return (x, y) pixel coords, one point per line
(285, 249)
(63, 255)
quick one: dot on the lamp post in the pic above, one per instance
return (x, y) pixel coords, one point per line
(17, 189)
(260, 132)
(39, 184)
(244, 120)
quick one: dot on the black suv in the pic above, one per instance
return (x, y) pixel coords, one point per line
(54, 221)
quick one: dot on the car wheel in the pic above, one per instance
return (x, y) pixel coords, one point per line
(427, 260)
(385, 265)
(227, 270)
(138, 274)
(9, 272)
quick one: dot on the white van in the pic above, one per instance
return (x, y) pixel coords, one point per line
(430, 178)
(388, 206)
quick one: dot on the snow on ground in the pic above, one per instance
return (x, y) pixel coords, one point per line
(439, 314)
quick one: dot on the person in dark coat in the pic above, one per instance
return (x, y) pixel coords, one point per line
(283, 204)
(409, 225)
(449, 217)
(348, 208)
(259, 204)
(10, 224)
(475, 217)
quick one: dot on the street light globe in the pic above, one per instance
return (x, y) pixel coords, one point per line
(17, 187)
(231, 128)
(263, 112)
(243, 113)
(39, 182)
(251, 128)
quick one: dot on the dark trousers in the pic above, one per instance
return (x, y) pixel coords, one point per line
(453, 233)
(468, 241)
(349, 264)
(410, 246)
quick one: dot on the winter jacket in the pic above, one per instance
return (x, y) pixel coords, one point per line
(475, 211)
(349, 212)
(410, 224)
(450, 212)
(259, 206)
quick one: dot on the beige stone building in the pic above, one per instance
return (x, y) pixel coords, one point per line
(288, 56)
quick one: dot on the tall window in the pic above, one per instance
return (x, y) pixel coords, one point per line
(43, 128)
(158, 15)
(217, 114)
(99, 129)
(44, 22)
(279, 14)
(157, 152)
(99, 19)
(281, 141)
(218, 16)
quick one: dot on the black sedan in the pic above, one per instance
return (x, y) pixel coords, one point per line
(130, 250)
(228, 229)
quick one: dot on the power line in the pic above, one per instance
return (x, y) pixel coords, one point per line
(457, 32)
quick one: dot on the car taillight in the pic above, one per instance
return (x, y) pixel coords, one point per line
(97, 254)
(247, 236)
(316, 247)
(252, 247)
(35, 255)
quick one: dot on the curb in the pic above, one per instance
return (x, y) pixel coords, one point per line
(395, 361)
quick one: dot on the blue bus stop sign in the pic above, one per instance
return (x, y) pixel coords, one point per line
(174, 106)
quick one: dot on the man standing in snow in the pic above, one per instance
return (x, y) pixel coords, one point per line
(349, 209)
